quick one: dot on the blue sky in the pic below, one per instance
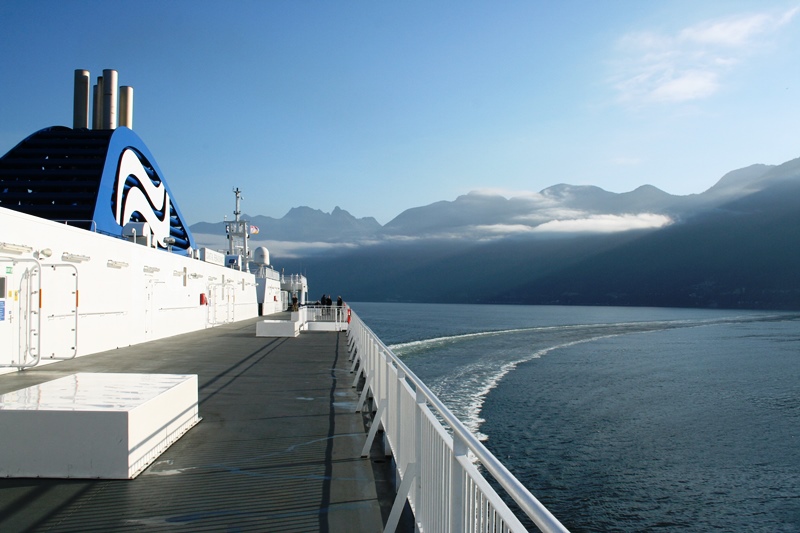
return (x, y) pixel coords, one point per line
(378, 107)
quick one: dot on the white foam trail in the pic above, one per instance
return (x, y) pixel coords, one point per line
(475, 406)
(470, 414)
(424, 343)
(413, 346)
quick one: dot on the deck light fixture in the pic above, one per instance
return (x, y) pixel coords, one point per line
(74, 258)
(14, 248)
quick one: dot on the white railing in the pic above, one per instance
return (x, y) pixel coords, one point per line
(92, 223)
(294, 282)
(272, 274)
(436, 464)
(326, 313)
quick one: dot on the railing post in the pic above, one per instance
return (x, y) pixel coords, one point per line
(419, 459)
(394, 414)
(457, 485)
(398, 401)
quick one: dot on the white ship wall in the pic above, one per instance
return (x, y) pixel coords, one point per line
(126, 293)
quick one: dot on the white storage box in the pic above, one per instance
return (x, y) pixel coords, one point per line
(93, 425)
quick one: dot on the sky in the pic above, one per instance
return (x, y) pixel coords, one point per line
(378, 107)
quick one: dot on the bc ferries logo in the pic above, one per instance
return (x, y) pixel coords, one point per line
(142, 196)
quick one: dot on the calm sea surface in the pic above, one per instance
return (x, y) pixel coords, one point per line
(622, 419)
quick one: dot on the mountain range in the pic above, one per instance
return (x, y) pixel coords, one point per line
(731, 246)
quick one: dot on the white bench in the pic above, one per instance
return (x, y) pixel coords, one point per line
(278, 328)
(94, 425)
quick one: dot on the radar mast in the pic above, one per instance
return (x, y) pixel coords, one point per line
(238, 232)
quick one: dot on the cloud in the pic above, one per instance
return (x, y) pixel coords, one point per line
(688, 86)
(293, 250)
(691, 63)
(569, 221)
(739, 31)
(605, 224)
(550, 221)
(209, 240)
(503, 229)
(546, 215)
(281, 249)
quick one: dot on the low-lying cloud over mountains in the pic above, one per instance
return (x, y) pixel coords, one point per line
(731, 246)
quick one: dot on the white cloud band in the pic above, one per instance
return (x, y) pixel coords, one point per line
(605, 224)
(690, 64)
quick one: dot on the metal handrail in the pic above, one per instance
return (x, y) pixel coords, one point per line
(37, 355)
(532, 507)
(66, 221)
(74, 315)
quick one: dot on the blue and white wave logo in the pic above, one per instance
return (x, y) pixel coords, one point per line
(141, 196)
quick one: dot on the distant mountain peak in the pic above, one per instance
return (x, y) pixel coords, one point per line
(649, 189)
(564, 189)
(647, 192)
(303, 210)
(486, 214)
(341, 213)
(739, 181)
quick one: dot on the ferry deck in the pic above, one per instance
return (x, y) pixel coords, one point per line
(278, 448)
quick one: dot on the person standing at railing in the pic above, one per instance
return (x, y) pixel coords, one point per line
(339, 308)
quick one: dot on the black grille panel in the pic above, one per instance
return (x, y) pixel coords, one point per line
(55, 174)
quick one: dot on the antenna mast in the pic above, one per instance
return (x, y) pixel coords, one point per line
(237, 211)
(238, 233)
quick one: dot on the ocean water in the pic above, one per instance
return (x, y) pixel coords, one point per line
(622, 419)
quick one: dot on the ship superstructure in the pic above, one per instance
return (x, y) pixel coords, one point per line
(94, 251)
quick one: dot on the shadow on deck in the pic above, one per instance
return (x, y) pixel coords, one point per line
(278, 448)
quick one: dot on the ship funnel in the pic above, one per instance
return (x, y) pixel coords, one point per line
(97, 119)
(109, 99)
(126, 106)
(80, 111)
(111, 104)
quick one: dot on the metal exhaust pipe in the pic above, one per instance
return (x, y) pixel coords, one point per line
(80, 111)
(126, 106)
(97, 120)
(109, 99)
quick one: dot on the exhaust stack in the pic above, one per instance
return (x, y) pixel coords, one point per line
(97, 121)
(80, 111)
(126, 106)
(109, 99)
(110, 103)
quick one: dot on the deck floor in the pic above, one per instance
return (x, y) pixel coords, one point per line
(278, 447)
